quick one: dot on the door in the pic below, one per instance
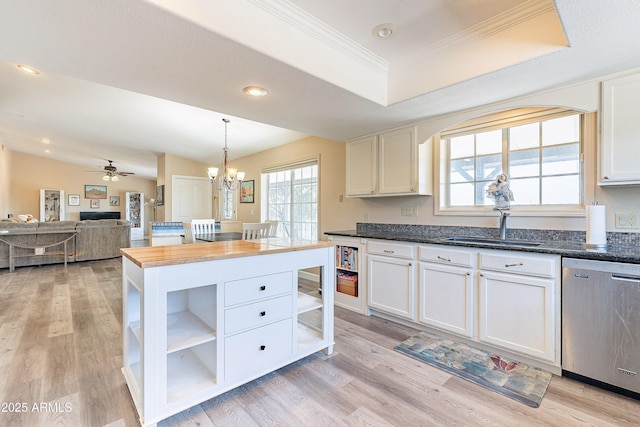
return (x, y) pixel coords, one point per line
(398, 151)
(191, 198)
(447, 298)
(517, 313)
(361, 157)
(391, 286)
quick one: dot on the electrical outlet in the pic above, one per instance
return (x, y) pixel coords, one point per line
(626, 220)
(408, 210)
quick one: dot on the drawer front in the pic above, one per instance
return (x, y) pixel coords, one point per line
(444, 255)
(255, 288)
(257, 314)
(257, 350)
(397, 250)
(520, 263)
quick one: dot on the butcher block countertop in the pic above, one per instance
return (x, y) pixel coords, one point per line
(158, 256)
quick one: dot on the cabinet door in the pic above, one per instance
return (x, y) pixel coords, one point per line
(619, 149)
(398, 158)
(391, 286)
(446, 298)
(517, 313)
(361, 158)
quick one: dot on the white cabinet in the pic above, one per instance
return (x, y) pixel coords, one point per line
(52, 205)
(619, 148)
(447, 289)
(362, 166)
(194, 330)
(351, 289)
(519, 303)
(391, 278)
(134, 205)
(388, 164)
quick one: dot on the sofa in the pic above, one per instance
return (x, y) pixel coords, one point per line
(94, 240)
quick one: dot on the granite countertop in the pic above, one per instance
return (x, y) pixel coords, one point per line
(547, 242)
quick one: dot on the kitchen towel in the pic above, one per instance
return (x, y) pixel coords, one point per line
(596, 226)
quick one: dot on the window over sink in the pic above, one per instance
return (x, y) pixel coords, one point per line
(539, 149)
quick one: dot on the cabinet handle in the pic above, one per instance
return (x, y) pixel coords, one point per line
(409, 264)
(263, 313)
(387, 251)
(263, 288)
(469, 274)
(605, 177)
(513, 265)
(263, 347)
(444, 259)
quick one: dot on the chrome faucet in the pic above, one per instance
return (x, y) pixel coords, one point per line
(503, 224)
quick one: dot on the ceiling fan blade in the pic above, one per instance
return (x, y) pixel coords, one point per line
(125, 173)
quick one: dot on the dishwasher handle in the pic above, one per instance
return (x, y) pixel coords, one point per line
(625, 278)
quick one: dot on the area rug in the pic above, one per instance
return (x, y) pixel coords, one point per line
(510, 378)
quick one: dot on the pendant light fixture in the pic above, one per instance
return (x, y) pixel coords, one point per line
(225, 176)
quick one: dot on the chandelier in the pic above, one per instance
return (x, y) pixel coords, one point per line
(228, 178)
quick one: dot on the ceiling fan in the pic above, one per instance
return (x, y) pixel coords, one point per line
(111, 172)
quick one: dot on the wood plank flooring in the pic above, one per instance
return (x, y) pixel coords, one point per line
(61, 354)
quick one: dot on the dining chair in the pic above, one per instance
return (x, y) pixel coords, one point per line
(203, 226)
(255, 230)
(273, 230)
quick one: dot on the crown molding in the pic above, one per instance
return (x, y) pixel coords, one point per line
(496, 24)
(298, 18)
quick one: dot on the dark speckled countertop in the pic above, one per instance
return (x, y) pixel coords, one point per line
(622, 247)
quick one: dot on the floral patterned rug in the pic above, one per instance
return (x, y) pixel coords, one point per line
(510, 378)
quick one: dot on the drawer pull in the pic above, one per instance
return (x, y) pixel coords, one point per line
(444, 259)
(263, 288)
(263, 313)
(514, 265)
(263, 347)
(388, 251)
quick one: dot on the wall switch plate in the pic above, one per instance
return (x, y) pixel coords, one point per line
(626, 220)
(409, 210)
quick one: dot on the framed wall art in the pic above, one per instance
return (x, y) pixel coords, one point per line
(114, 201)
(95, 191)
(74, 200)
(95, 204)
(246, 191)
(160, 195)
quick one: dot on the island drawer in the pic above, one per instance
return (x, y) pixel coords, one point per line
(257, 350)
(257, 314)
(448, 256)
(255, 288)
(397, 250)
(520, 263)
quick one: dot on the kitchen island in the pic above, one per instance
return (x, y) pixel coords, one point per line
(202, 319)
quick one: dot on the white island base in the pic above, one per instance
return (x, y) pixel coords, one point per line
(202, 319)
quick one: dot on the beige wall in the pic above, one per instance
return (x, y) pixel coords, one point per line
(31, 173)
(334, 214)
(5, 181)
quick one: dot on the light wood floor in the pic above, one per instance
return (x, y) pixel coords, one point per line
(60, 359)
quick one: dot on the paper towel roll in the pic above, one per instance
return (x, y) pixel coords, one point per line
(596, 226)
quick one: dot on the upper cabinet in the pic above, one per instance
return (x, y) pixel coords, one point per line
(619, 148)
(388, 164)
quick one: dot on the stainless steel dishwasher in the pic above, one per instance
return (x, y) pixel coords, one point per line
(601, 323)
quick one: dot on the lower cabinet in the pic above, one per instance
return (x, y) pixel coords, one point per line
(392, 279)
(447, 296)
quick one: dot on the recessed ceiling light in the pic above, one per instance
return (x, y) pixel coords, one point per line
(255, 91)
(28, 70)
(45, 141)
(384, 31)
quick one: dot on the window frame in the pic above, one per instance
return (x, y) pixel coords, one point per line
(264, 186)
(511, 118)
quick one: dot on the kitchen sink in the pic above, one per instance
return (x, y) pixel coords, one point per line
(489, 241)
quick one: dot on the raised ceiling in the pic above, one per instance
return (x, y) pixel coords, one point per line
(128, 79)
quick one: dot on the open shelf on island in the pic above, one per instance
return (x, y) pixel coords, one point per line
(188, 374)
(307, 303)
(308, 335)
(184, 329)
